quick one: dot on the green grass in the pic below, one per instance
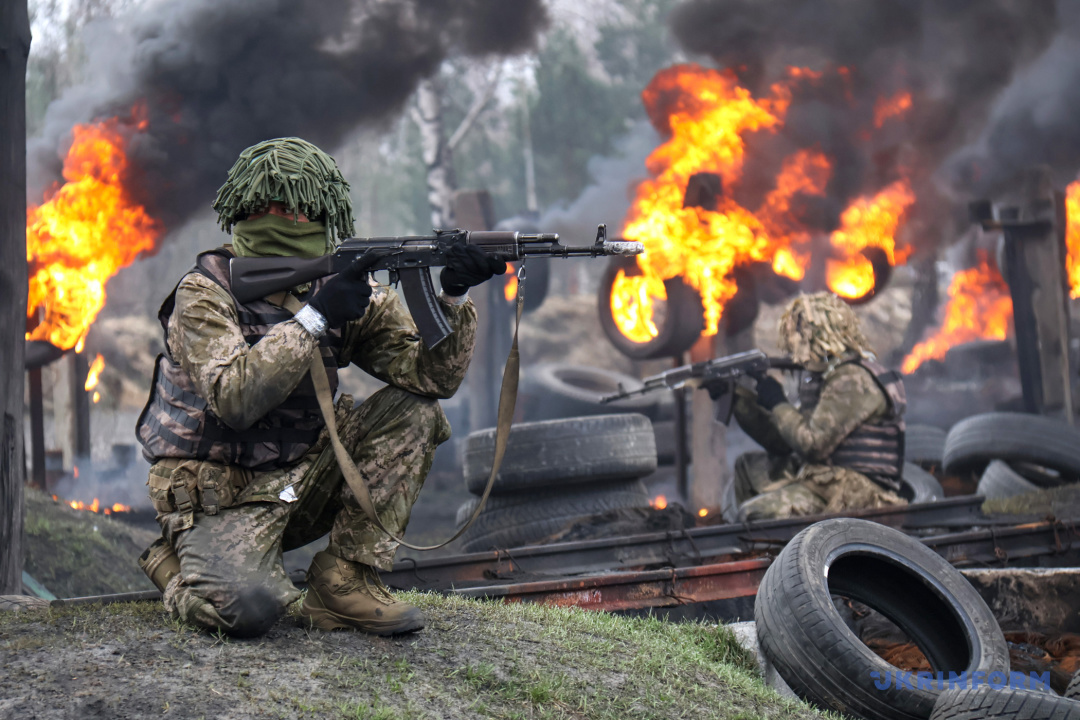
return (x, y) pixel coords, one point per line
(474, 660)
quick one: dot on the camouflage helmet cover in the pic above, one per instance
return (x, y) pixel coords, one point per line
(821, 327)
(291, 171)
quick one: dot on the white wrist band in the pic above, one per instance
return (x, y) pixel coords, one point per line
(311, 320)
(454, 299)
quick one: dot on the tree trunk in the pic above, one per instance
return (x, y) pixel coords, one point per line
(436, 152)
(14, 49)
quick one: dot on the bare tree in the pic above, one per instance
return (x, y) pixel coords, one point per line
(437, 149)
(14, 49)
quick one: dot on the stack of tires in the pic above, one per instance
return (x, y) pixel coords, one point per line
(555, 473)
(1013, 453)
(924, 446)
(817, 654)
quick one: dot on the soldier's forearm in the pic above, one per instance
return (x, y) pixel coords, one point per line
(259, 379)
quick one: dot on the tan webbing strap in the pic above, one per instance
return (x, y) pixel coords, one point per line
(507, 401)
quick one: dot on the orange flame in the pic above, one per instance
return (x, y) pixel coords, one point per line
(511, 286)
(84, 233)
(96, 507)
(867, 222)
(708, 115)
(1072, 236)
(702, 512)
(979, 308)
(659, 502)
(887, 108)
(94, 374)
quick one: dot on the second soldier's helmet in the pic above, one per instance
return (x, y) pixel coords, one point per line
(291, 171)
(821, 328)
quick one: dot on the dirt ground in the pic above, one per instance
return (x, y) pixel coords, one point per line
(474, 660)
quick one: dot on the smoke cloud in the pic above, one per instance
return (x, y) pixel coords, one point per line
(216, 76)
(1014, 61)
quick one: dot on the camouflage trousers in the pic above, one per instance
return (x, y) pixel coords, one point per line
(392, 438)
(770, 486)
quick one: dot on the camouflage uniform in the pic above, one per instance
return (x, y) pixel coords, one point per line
(793, 477)
(256, 515)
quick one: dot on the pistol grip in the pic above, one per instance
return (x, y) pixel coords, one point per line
(419, 293)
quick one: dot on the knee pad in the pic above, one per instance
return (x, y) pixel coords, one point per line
(250, 613)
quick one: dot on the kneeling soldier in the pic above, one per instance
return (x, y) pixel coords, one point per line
(843, 447)
(242, 467)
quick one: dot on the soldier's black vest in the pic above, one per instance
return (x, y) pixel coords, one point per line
(875, 449)
(178, 423)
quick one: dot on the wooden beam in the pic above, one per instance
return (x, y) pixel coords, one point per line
(14, 49)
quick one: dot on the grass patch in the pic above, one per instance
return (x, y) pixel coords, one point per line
(475, 659)
(1061, 502)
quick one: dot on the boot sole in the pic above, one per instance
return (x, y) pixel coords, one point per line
(323, 619)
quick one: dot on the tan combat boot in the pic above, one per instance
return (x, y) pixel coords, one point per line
(160, 563)
(343, 594)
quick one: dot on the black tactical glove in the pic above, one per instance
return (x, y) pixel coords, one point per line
(770, 393)
(467, 266)
(345, 296)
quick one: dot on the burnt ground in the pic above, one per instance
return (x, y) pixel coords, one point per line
(474, 660)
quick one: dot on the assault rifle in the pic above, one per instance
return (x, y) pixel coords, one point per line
(409, 260)
(718, 376)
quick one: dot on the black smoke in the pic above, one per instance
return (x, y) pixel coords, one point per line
(216, 76)
(964, 61)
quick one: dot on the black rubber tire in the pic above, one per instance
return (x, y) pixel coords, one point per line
(554, 453)
(999, 481)
(919, 485)
(1073, 690)
(975, 441)
(527, 518)
(823, 661)
(988, 702)
(924, 444)
(552, 391)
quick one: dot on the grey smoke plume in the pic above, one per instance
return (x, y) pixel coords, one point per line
(217, 76)
(955, 56)
(1035, 120)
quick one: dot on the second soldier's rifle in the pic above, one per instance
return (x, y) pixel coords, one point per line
(718, 376)
(409, 260)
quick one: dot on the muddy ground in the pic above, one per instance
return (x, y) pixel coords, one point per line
(474, 660)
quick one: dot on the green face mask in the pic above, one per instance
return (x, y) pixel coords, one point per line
(275, 236)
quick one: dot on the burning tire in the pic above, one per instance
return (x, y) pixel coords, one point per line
(920, 486)
(814, 651)
(678, 330)
(924, 444)
(559, 390)
(989, 702)
(527, 518)
(559, 453)
(1014, 437)
(999, 481)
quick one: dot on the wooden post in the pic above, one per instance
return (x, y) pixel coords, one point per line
(14, 49)
(1035, 268)
(473, 210)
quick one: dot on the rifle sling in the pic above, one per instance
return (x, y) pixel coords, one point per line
(507, 401)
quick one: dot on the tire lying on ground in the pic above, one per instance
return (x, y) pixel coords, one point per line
(920, 486)
(526, 518)
(561, 390)
(924, 444)
(823, 661)
(983, 702)
(999, 481)
(554, 453)
(1016, 437)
